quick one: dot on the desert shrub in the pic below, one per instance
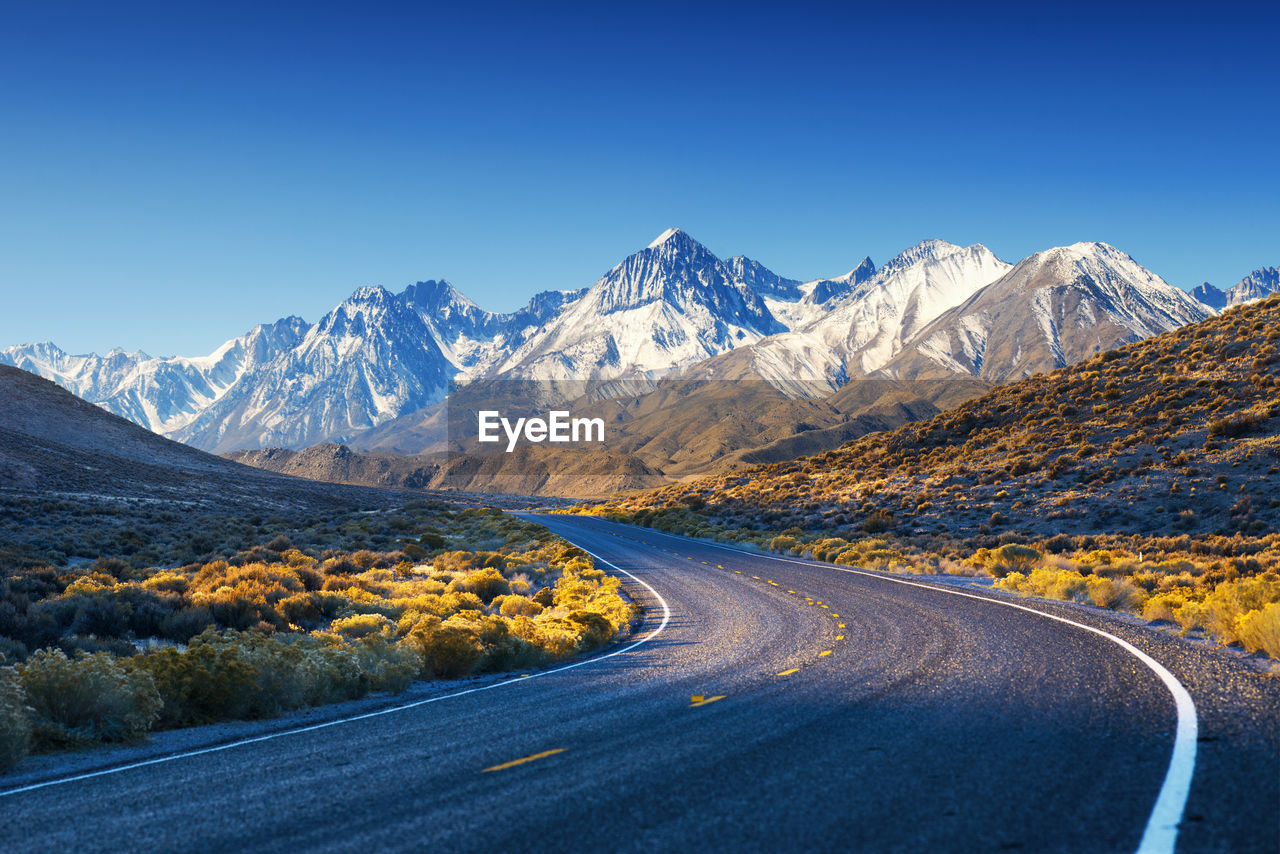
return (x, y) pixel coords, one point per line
(1061, 584)
(783, 544)
(15, 723)
(828, 549)
(1232, 600)
(1007, 558)
(515, 605)
(361, 625)
(87, 699)
(168, 582)
(387, 666)
(878, 522)
(375, 620)
(1260, 629)
(182, 625)
(1119, 594)
(596, 629)
(231, 675)
(504, 649)
(446, 652)
(1176, 605)
(1239, 426)
(484, 583)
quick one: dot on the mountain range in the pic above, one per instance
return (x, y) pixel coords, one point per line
(673, 309)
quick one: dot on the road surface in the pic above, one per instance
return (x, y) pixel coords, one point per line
(765, 705)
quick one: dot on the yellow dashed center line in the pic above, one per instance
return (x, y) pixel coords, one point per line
(700, 700)
(514, 762)
(824, 652)
(839, 637)
(789, 672)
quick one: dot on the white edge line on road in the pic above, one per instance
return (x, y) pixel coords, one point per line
(1161, 832)
(666, 617)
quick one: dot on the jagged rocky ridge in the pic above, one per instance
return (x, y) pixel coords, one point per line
(673, 308)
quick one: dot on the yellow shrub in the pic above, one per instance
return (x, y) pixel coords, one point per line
(168, 582)
(516, 605)
(1260, 629)
(783, 543)
(1168, 604)
(484, 583)
(1231, 600)
(1119, 594)
(361, 625)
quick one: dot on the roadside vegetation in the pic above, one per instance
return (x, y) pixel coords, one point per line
(1225, 588)
(106, 652)
(1143, 480)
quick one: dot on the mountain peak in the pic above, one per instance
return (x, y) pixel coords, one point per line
(926, 250)
(438, 295)
(369, 293)
(1255, 286)
(1089, 247)
(1076, 253)
(862, 272)
(1215, 298)
(934, 246)
(669, 234)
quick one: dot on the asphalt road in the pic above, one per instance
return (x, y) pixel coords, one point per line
(839, 711)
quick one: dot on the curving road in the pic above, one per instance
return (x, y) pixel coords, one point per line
(765, 705)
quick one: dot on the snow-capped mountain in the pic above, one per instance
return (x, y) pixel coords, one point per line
(163, 395)
(364, 363)
(937, 310)
(671, 305)
(1055, 308)
(864, 324)
(473, 339)
(1258, 284)
(1255, 286)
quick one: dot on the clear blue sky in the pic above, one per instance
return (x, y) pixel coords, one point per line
(173, 173)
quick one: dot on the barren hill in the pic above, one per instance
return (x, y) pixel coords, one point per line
(1177, 433)
(76, 480)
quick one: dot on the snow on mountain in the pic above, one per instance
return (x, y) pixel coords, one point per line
(784, 298)
(668, 306)
(825, 290)
(362, 364)
(934, 311)
(1255, 286)
(165, 394)
(1055, 308)
(374, 357)
(872, 318)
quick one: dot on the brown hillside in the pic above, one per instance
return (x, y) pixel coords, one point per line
(78, 482)
(1174, 434)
